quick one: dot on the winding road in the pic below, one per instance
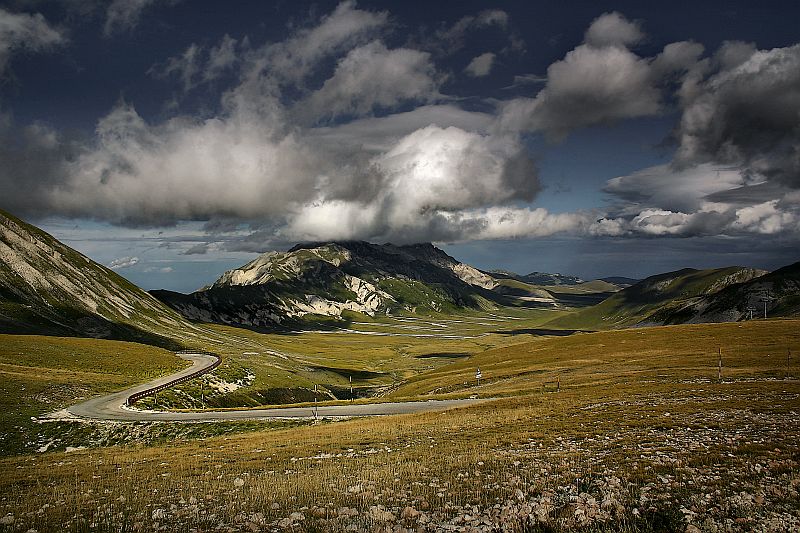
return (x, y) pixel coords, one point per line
(112, 407)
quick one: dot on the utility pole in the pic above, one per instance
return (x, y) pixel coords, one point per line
(766, 298)
(788, 355)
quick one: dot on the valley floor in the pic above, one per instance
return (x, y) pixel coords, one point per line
(626, 430)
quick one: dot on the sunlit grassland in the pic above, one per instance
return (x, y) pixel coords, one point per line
(688, 352)
(41, 374)
(376, 352)
(642, 407)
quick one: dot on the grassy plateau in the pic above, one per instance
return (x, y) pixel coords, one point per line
(627, 430)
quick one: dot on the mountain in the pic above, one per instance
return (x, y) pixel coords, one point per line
(328, 279)
(779, 290)
(546, 279)
(658, 299)
(541, 279)
(48, 288)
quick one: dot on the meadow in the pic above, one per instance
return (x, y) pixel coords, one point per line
(641, 436)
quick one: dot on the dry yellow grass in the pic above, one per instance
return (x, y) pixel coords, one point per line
(631, 452)
(687, 352)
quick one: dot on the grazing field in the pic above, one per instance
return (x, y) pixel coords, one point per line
(41, 374)
(687, 353)
(377, 353)
(641, 437)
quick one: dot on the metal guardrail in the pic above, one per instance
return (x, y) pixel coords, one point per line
(133, 398)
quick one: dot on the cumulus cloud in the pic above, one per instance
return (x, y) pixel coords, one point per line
(480, 65)
(372, 76)
(23, 31)
(745, 111)
(400, 176)
(600, 81)
(186, 169)
(425, 178)
(123, 262)
(613, 29)
(332, 134)
(736, 169)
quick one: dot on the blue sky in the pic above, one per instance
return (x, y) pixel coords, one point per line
(173, 140)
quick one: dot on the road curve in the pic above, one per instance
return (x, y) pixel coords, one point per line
(112, 406)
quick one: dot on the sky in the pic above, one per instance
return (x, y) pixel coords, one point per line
(174, 139)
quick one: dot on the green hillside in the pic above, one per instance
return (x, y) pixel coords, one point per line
(663, 294)
(48, 288)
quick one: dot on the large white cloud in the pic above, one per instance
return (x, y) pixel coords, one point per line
(332, 134)
(613, 29)
(424, 179)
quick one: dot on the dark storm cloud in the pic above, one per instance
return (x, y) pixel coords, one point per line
(744, 109)
(334, 133)
(599, 82)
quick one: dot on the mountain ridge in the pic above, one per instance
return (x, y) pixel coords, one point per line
(329, 279)
(46, 287)
(668, 298)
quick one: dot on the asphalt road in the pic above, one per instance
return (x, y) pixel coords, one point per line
(112, 406)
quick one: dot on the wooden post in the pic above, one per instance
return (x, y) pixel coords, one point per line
(719, 366)
(558, 383)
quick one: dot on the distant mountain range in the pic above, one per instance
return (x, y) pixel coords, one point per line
(48, 288)
(538, 278)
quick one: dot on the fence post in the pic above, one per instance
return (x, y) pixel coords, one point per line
(719, 365)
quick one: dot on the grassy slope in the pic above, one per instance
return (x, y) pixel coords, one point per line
(301, 360)
(98, 311)
(701, 445)
(42, 374)
(612, 357)
(636, 303)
